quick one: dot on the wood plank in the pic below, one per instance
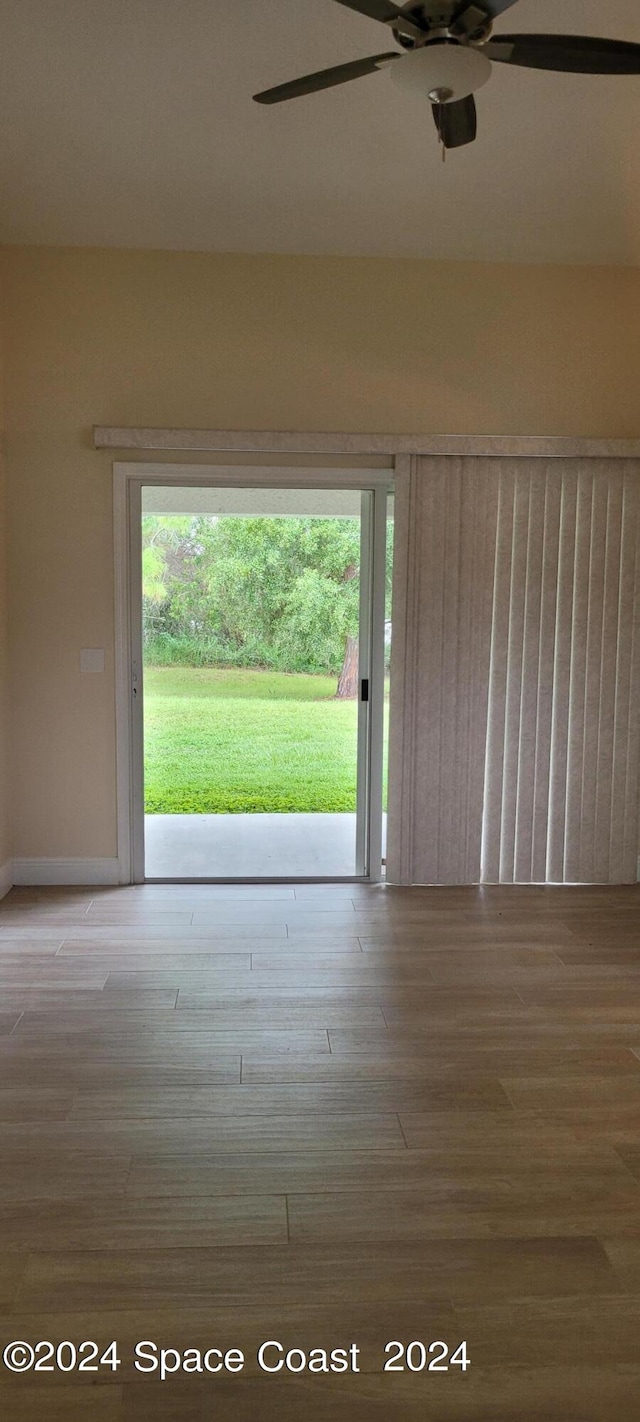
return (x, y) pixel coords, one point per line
(8, 1020)
(479, 1062)
(37, 998)
(588, 1331)
(203, 1135)
(624, 1255)
(500, 1131)
(331, 1171)
(421, 1032)
(364, 1098)
(199, 894)
(24, 1069)
(302, 1325)
(290, 1015)
(421, 962)
(204, 979)
(248, 998)
(568, 1395)
(447, 1172)
(565, 1093)
(82, 937)
(65, 1403)
(37, 1169)
(126, 966)
(461, 1269)
(427, 997)
(148, 1045)
(136, 1223)
(411, 1214)
(12, 1268)
(16, 976)
(35, 1103)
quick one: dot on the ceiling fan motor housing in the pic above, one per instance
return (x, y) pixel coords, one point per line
(475, 24)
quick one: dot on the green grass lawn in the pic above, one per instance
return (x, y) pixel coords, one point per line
(232, 742)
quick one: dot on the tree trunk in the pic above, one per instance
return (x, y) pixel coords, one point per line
(348, 683)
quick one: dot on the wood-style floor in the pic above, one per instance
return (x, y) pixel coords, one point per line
(323, 1116)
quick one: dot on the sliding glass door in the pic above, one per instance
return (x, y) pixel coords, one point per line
(258, 674)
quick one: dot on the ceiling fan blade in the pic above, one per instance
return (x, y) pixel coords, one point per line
(490, 8)
(568, 54)
(382, 10)
(457, 123)
(389, 14)
(325, 79)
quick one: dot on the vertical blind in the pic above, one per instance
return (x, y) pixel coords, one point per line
(446, 518)
(521, 663)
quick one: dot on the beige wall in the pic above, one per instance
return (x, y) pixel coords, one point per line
(247, 342)
(5, 816)
(5, 819)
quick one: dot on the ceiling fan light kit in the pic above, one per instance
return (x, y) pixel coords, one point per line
(457, 69)
(446, 53)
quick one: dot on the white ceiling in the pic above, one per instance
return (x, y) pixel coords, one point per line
(130, 123)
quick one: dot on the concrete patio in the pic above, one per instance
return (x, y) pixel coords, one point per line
(249, 846)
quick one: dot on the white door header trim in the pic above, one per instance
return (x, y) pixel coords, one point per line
(251, 476)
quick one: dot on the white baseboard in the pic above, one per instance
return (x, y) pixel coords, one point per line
(65, 871)
(6, 878)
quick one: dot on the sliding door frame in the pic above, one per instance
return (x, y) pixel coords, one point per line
(374, 523)
(310, 449)
(128, 482)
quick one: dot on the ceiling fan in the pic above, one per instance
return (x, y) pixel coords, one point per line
(448, 53)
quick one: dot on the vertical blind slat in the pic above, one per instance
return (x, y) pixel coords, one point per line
(529, 730)
(577, 682)
(608, 682)
(598, 664)
(559, 670)
(513, 689)
(631, 759)
(498, 671)
(545, 699)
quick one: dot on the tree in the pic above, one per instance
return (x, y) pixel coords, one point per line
(279, 592)
(154, 566)
(160, 532)
(348, 682)
(256, 592)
